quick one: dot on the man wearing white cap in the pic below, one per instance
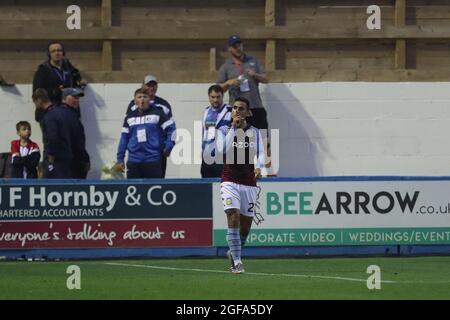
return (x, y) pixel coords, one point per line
(150, 84)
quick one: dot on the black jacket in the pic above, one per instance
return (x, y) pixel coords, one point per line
(61, 131)
(48, 78)
(79, 138)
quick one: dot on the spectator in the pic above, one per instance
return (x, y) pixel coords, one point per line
(146, 131)
(55, 74)
(25, 153)
(241, 75)
(59, 126)
(150, 85)
(215, 116)
(81, 162)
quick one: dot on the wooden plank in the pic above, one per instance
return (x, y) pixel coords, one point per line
(400, 12)
(202, 33)
(47, 10)
(314, 50)
(191, 10)
(339, 64)
(212, 60)
(333, 15)
(432, 12)
(400, 44)
(106, 13)
(270, 16)
(107, 57)
(339, 49)
(270, 55)
(107, 52)
(432, 55)
(275, 76)
(400, 54)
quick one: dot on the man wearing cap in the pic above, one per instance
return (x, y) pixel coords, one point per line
(59, 128)
(241, 75)
(81, 161)
(150, 85)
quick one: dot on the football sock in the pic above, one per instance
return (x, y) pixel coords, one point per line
(234, 242)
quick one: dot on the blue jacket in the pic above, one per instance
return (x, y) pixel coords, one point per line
(223, 118)
(145, 135)
(158, 102)
(61, 133)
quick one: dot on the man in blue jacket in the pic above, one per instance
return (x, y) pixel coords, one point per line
(150, 85)
(148, 135)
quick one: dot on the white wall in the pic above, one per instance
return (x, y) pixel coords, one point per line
(327, 128)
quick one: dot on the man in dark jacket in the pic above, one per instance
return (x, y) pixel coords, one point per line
(81, 162)
(55, 74)
(59, 127)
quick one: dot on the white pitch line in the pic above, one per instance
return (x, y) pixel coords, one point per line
(248, 273)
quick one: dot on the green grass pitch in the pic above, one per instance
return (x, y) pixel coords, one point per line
(319, 278)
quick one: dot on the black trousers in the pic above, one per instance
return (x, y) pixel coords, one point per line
(144, 170)
(163, 166)
(259, 121)
(79, 170)
(60, 169)
(259, 118)
(213, 170)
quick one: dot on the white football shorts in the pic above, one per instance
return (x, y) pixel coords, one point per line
(238, 196)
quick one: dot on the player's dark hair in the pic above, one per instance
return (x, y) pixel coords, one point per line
(41, 94)
(215, 88)
(24, 124)
(242, 99)
(140, 91)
